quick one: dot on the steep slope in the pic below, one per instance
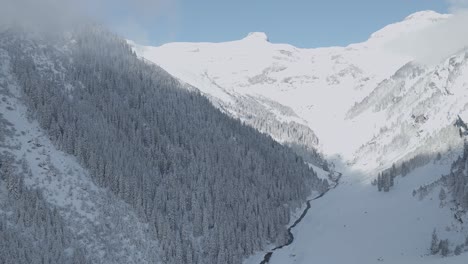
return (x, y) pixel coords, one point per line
(189, 176)
(50, 209)
(317, 86)
(415, 110)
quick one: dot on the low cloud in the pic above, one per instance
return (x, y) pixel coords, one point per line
(457, 5)
(438, 42)
(132, 18)
(39, 15)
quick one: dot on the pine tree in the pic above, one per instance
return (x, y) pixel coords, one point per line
(379, 182)
(387, 180)
(458, 250)
(442, 196)
(435, 243)
(393, 171)
(444, 247)
(392, 179)
(404, 169)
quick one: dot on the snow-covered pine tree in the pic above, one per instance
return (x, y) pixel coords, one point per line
(435, 243)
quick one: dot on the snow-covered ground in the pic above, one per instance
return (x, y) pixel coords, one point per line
(357, 224)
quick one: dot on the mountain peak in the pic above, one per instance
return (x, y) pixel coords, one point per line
(411, 23)
(262, 36)
(424, 15)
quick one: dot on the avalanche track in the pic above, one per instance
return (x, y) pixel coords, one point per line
(267, 257)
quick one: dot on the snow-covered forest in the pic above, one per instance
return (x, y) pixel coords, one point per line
(211, 189)
(32, 231)
(238, 152)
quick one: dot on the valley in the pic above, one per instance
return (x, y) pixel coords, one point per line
(370, 107)
(240, 152)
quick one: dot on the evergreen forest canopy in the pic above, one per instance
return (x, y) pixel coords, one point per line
(212, 189)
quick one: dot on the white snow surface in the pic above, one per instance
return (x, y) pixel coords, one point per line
(320, 85)
(357, 224)
(370, 107)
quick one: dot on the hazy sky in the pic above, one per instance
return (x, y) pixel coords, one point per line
(303, 23)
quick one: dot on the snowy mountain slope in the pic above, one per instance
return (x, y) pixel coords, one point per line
(318, 85)
(108, 230)
(369, 106)
(415, 109)
(267, 115)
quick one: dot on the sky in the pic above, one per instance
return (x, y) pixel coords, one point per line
(303, 23)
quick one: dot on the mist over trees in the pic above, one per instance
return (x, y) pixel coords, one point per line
(212, 189)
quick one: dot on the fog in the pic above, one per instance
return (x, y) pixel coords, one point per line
(128, 17)
(457, 5)
(40, 15)
(438, 42)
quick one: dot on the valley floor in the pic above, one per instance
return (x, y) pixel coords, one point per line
(355, 223)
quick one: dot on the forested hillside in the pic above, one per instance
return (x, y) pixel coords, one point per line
(33, 232)
(212, 189)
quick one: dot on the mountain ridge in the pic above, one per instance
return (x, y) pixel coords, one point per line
(288, 75)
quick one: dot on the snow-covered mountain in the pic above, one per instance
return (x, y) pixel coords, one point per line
(366, 107)
(317, 88)
(107, 158)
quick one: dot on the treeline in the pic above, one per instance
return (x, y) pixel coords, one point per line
(456, 184)
(212, 189)
(386, 179)
(299, 137)
(443, 246)
(457, 180)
